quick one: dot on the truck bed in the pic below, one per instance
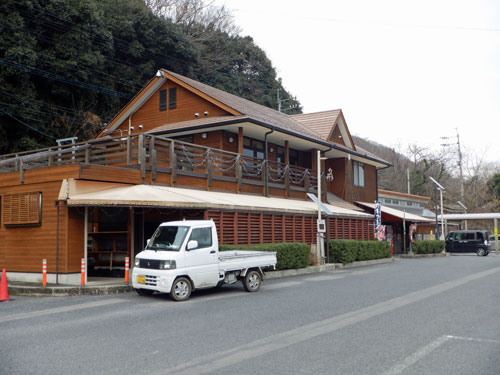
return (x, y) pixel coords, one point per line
(242, 259)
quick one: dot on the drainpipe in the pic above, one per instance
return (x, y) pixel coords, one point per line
(266, 157)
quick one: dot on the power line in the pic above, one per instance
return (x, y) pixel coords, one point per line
(29, 126)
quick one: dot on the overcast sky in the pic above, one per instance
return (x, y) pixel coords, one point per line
(401, 71)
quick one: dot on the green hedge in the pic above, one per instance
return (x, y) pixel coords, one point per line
(348, 251)
(427, 247)
(288, 254)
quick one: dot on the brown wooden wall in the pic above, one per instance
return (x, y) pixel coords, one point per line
(343, 183)
(22, 249)
(241, 228)
(150, 116)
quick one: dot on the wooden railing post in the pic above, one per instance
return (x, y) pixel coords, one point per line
(152, 157)
(287, 180)
(142, 155)
(173, 162)
(209, 169)
(307, 182)
(87, 153)
(129, 150)
(50, 160)
(21, 171)
(239, 173)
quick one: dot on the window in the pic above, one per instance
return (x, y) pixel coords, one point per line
(253, 148)
(293, 155)
(388, 201)
(359, 174)
(409, 203)
(163, 100)
(394, 201)
(22, 209)
(203, 236)
(172, 98)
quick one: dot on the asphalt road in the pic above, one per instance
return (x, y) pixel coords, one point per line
(422, 316)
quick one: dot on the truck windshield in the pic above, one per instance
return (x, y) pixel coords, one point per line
(167, 238)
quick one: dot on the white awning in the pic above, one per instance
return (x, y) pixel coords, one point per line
(398, 213)
(92, 193)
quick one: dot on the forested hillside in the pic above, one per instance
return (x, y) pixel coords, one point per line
(66, 67)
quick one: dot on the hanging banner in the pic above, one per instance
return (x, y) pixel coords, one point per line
(381, 233)
(378, 216)
(413, 229)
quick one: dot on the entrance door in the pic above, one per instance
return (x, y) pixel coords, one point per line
(202, 260)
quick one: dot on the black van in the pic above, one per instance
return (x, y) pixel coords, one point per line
(467, 241)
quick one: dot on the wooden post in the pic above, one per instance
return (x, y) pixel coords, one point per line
(129, 150)
(152, 157)
(240, 140)
(87, 153)
(209, 169)
(307, 182)
(287, 181)
(142, 156)
(21, 171)
(239, 173)
(50, 159)
(173, 162)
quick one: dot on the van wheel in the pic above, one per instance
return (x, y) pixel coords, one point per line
(252, 281)
(481, 252)
(181, 289)
(144, 292)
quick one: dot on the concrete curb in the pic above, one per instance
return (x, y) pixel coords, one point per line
(61, 291)
(64, 291)
(418, 256)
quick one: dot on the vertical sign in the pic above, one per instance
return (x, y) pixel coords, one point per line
(378, 215)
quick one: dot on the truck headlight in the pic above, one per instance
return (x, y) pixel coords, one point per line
(137, 262)
(167, 265)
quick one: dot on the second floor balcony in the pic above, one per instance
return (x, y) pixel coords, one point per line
(155, 159)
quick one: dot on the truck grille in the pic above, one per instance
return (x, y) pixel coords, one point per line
(151, 280)
(151, 264)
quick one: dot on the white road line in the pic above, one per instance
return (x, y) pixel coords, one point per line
(426, 350)
(265, 346)
(282, 285)
(419, 354)
(474, 340)
(82, 306)
(325, 278)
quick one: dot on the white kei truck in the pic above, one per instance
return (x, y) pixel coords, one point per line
(182, 256)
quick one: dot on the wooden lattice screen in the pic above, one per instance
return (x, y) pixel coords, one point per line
(23, 209)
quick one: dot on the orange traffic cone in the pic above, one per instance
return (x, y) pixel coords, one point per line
(4, 291)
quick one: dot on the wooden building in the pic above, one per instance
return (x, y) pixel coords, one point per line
(181, 149)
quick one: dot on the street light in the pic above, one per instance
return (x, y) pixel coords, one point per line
(440, 188)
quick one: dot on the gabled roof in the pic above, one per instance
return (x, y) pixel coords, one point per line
(238, 109)
(324, 124)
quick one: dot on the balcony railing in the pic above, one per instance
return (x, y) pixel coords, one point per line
(156, 154)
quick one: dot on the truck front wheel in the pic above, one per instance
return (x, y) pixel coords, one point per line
(252, 280)
(181, 289)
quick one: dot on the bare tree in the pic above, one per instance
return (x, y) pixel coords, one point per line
(198, 16)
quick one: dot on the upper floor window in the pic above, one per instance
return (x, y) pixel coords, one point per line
(163, 100)
(359, 174)
(253, 148)
(293, 156)
(172, 98)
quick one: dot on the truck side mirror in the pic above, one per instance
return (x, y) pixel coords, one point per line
(147, 242)
(193, 244)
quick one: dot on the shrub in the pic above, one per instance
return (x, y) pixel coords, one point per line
(427, 246)
(288, 254)
(348, 251)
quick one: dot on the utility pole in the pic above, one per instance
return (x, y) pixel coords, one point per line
(460, 165)
(462, 193)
